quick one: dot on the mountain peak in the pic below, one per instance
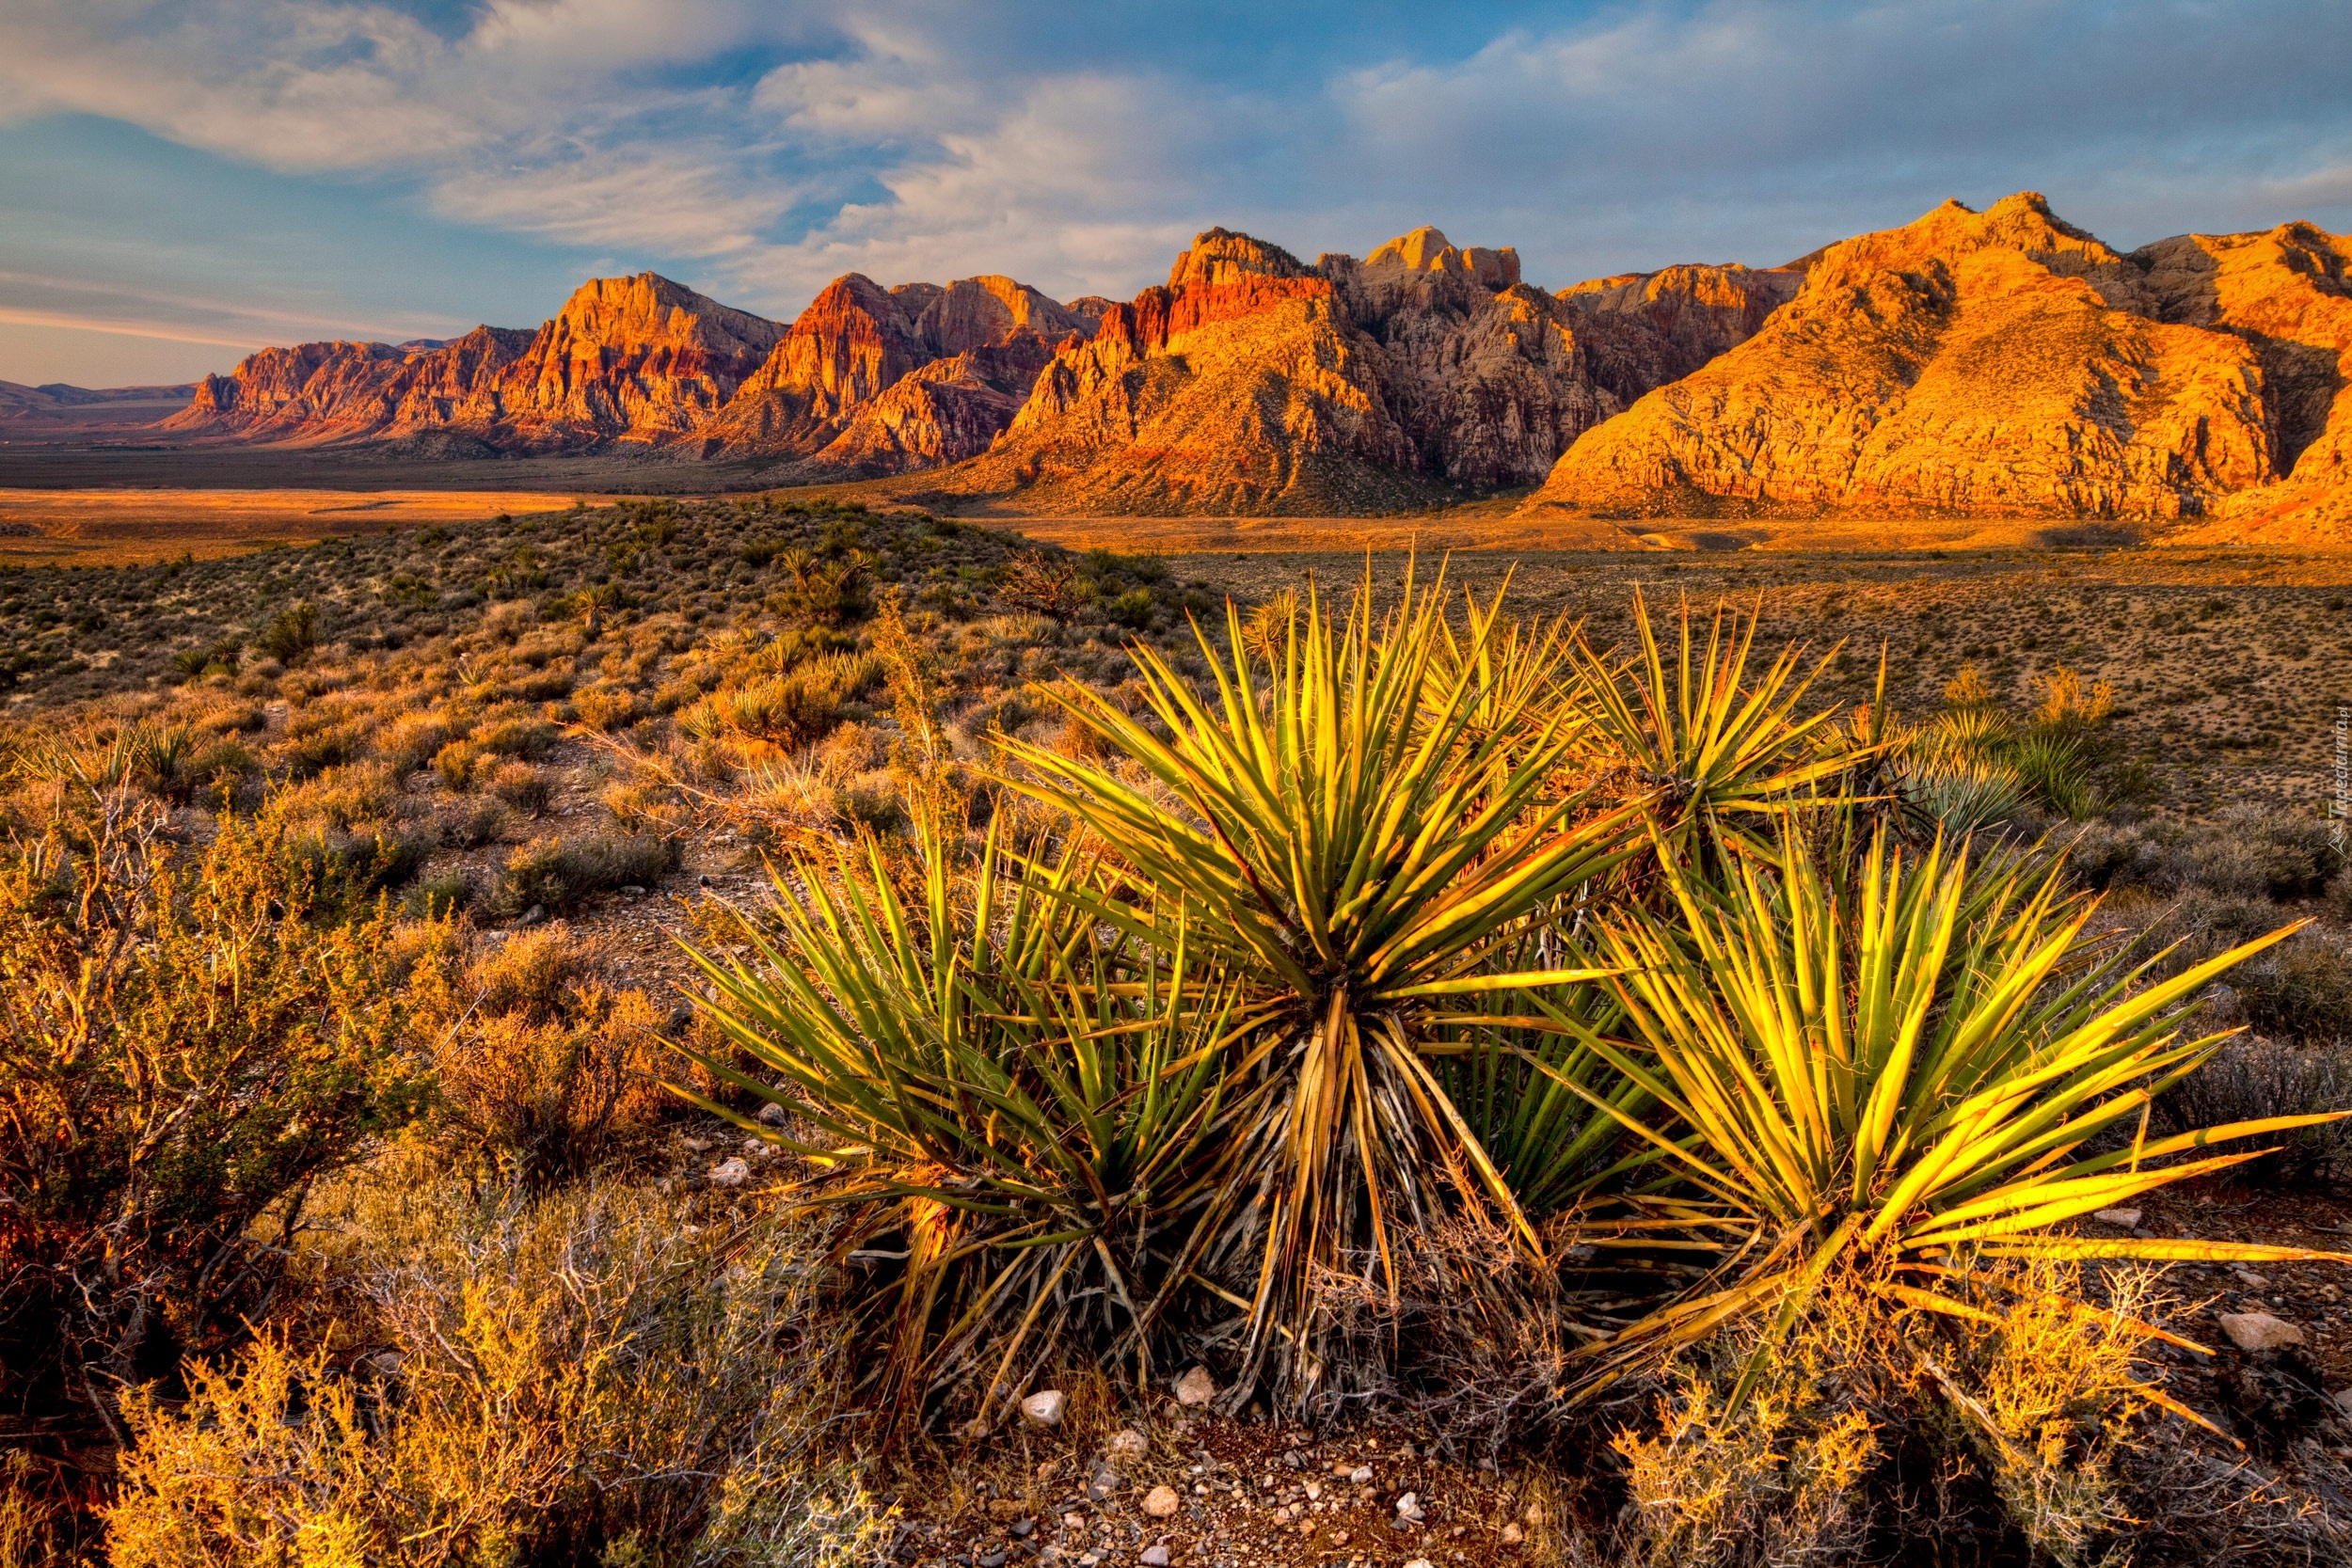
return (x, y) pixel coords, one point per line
(1427, 250)
(1227, 255)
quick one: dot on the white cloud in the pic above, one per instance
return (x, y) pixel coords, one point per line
(912, 139)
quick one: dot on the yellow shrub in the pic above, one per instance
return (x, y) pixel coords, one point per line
(579, 1379)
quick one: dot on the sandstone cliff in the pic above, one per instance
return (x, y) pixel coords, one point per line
(1251, 382)
(626, 360)
(1998, 363)
(2284, 294)
(829, 393)
(1643, 330)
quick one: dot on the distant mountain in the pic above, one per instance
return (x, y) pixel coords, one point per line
(55, 411)
(1994, 363)
(1997, 363)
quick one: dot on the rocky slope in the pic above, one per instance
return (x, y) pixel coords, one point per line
(1251, 382)
(836, 391)
(1993, 363)
(2284, 294)
(627, 358)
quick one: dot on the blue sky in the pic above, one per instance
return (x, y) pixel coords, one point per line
(183, 180)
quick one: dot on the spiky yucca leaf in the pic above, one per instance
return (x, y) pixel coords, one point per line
(1357, 844)
(1725, 751)
(1908, 1076)
(981, 1079)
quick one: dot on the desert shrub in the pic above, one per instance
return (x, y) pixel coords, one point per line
(550, 875)
(185, 1045)
(605, 707)
(347, 866)
(542, 1066)
(438, 898)
(522, 786)
(321, 737)
(482, 822)
(291, 635)
(2256, 852)
(1874, 1432)
(513, 735)
(579, 1379)
(2301, 990)
(456, 763)
(411, 740)
(2252, 1077)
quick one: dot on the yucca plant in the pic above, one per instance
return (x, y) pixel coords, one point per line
(1360, 844)
(1891, 1080)
(1723, 752)
(1024, 1121)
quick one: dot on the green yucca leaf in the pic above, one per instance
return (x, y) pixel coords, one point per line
(1899, 1073)
(1725, 750)
(983, 1073)
(1358, 843)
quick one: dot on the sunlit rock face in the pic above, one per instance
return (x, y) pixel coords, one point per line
(1999, 363)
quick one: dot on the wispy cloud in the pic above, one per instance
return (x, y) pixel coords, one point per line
(759, 147)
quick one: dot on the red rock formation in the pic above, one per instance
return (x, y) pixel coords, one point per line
(2000, 363)
(2286, 294)
(856, 342)
(1643, 330)
(1253, 383)
(629, 360)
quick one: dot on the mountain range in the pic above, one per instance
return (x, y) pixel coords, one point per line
(2002, 363)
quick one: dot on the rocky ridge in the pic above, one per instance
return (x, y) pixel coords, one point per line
(2001, 363)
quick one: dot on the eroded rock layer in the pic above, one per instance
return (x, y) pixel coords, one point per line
(1996, 363)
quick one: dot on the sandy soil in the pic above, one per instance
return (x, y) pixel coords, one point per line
(128, 527)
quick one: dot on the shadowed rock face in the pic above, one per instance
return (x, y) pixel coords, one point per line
(2000, 363)
(1251, 382)
(858, 341)
(1643, 330)
(2285, 295)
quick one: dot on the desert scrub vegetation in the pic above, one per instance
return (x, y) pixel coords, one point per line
(1407, 927)
(1621, 1057)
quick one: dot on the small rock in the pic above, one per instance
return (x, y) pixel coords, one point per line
(1105, 1482)
(1196, 1387)
(2127, 1218)
(1535, 1515)
(533, 915)
(1408, 1507)
(730, 1173)
(1361, 1475)
(2252, 1280)
(1161, 1501)
(1420, 1563)
(1021, 1529)
(2344, 1399)
(993, 1560)
(1155, 1556)
(697, 1146)
(1512, 1534)
(1073, 1521)
(632, 891)
(1127, 1443)
(759, 1148)
(774, 1115)
(1044, 1407)
(2255, 1331)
